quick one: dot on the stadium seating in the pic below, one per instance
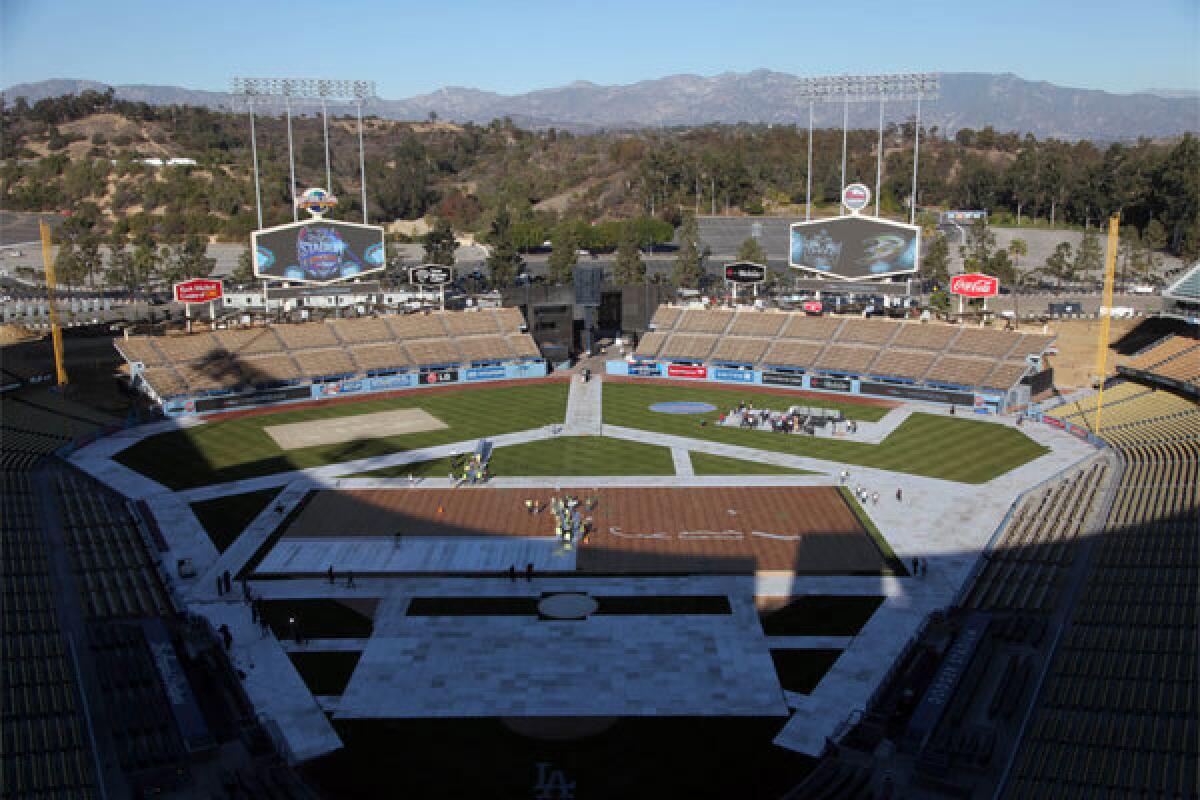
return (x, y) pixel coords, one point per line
(431, 352)
(324, 363)
(380, 357)
(229, 360)
(470, 323)
(705, 321)
(869, 331)
(361, 330)
(908, 364)
(842, 358)
(45, 751)
(1117, 715)
(817, 329)
(740, 349)
(1025, 568)
(888, 349)
(651, 344)
(785, 353)
(688, 348)
(757, 323)
(254, 341)
(1174, 357)
(484, 348)
(523, 345)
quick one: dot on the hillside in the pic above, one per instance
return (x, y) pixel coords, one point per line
(1006, 102)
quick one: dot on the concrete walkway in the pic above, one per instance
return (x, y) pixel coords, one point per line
(584, 407)
(683, 462)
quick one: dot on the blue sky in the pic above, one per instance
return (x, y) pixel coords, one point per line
(415, 47)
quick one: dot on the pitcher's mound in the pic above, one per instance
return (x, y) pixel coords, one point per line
(295, 435)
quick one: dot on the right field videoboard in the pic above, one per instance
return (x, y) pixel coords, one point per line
(854, 248)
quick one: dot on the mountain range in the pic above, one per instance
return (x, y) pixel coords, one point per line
(967, 100)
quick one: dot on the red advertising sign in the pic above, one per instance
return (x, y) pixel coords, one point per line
(684, 371)
(813, 306)
(198, 290)
(973, 284)
(1053, 422)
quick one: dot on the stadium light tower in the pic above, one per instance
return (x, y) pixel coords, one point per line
(863, 89)
(306, 90)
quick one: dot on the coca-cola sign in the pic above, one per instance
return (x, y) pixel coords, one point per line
(812, 306)
(973, 284)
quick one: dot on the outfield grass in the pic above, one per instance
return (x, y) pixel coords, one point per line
(708, 464)
(935, 446)
(642, 395)
(567, 455)
(239, 448)
(226, 517)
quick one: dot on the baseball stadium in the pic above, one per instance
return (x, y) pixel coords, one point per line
(596, 539)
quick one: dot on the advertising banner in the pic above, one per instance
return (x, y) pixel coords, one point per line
(735, 375)
(318, 251)
(341, 387)
(651, 369)
(401, 381)
(974, 284)
(833, 384)
(431, 275)
(812, 307)
(198, 290)
(485, 373)
(254, 399)
(917, 393)
(854, 248)
(439, 376)
(745, 272)
(685, 371)
(776, 378)
(1054, 422)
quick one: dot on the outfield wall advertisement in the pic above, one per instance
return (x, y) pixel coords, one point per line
(854, 248)
(799, 380)
(353, 387)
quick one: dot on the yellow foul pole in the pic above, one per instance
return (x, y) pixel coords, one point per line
(51, 283)
(1110, 266)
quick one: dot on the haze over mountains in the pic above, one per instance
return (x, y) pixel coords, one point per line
(967, 100)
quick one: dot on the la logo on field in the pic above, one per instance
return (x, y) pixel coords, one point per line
(552, 784)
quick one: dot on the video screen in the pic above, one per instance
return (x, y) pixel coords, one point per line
(318, 251)
(854, 247)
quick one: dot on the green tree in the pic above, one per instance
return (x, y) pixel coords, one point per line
(145, 260)
(243, 273)
(504, 262)
(564, 254)
(1089, 257)
(440, 244)
(1018, 249)
(1060, 265)
(935, 263)
(752, 250)
(69, 270)
(979, 247)
(629, 268)
(689, 263)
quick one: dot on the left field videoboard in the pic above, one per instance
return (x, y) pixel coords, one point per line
(318, 251)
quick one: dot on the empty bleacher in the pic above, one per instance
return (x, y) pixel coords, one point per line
(484, 348)
(1117, 715)
(1024, 569)
(740, 349)
(687, 347)
(869, 347)
(431, 352)
(229, 360)
(324, 363)
(361, 330)
(372, 357)
(843, 358)
(906, 364)
(757, 323)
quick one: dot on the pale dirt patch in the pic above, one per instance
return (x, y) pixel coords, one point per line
(295, 435)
